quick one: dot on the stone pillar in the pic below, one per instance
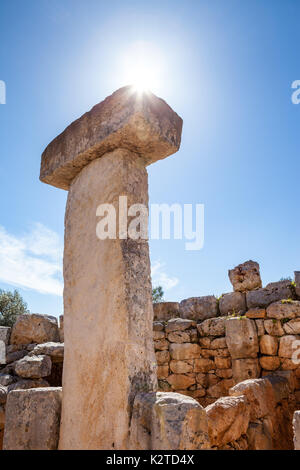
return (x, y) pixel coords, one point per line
(109, 355)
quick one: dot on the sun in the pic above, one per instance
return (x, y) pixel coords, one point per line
(142, 67)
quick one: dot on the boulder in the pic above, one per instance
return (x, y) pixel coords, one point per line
(241, 338)
(296, 430)
(212, 327)
(165, 310)
(54, 350)
(260, 396)
(228, 419)
(199, 308)
(271, 293)
(15, 356)
(259, 437)
(234, 302)
(32, 419)
(273, 327)
(34, 328)
(158, 326)
(33, 367)
(167, 421)
(268, 345)
(181, 381)
(243, 369)
(245, 277)
(6, 379)
(179, 324)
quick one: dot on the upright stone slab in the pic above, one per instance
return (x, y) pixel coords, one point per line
(4, 339)
(108, 314)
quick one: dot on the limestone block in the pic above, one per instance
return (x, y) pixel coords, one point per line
(259, 437)
(234, 302)
(204, 365)
(212, 327)
(260, 396)
(268, 345)
(228, 419)
(158, 326)
(241, 338)
(269, 362)
(32, 419)
(243, 369)
(163, 371)
(260, 327)
(168, 421)
(184, 351)
(3, 395)
(292, 327)
(296, 430)
(199, 308)
(161, 344)
(158, 335)
(181, 381)
(224, 373)
(271, 293)
(273, 327)
(179, 324)
(165, 310)
(218, 343)
(33, 367)
(280, 386)
(256, 313)
(181, 367)
(6, 379)
(5, 332)
(162, 357)
(223, 362)
(54, 350)
(143, 124)
(34, 328)
(245, 277)
(284, 309)
(288, 345)
(61, 328)
(179, 337)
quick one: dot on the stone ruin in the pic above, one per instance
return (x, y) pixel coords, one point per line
(217, 373)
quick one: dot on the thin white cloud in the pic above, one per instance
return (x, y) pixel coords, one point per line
(33, 260)
(161, 278)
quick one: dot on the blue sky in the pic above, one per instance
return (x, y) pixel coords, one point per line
(225, 67)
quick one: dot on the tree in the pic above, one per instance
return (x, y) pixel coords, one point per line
(157, 294)
(11, 306)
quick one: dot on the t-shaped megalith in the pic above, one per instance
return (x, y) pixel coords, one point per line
(108, 313)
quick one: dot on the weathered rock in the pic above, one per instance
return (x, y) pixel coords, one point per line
(33, 367)
(158, 335)
(260, 396)
(224, 373)
(268, 345)
(168, 421)
(243, 369)
(199, 308)
(259, 437)
(34, 328)
(234, 302)
(6, 379)
(280, 386)
(179, 324)
(212, 327)
(292, 327)
(15, 356)
(54, 350)
(296, 430)
(288, 345)
(218, 343)
(162, 357)
(271, 293)
(284, 310)
(273, 327)
(179, 337)
(245, 277)
(61, 328)
(260, 327)
(256, 313)
(181, 381)
(297, 282)
(204, 365)
(241, 338)
(220, 389)
(163, 371)
(5, 332)
(269, 362)
(3, 395)
(32, 419)
(181, 367)
(228, 419)
(223, 362)
(161, 344)
(165, 310)
(184, 351)
(158, 326)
